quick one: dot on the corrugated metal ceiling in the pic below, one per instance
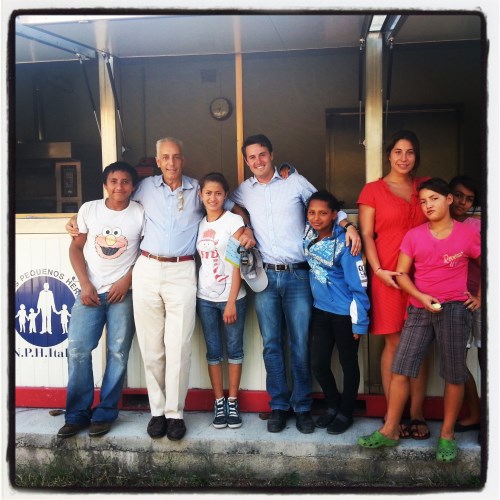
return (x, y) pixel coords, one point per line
(167, 35)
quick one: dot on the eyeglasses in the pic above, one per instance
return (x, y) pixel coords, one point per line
(180, 200)
(463, 197)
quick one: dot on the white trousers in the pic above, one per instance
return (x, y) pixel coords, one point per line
(164, 295)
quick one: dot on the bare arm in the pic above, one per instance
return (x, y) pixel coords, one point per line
(404, 265)
(120, 288)
(246, 238)
(367, 225)
(352, 237)
(473, 302)
(72, 227)
(230, 315)
(89, 293)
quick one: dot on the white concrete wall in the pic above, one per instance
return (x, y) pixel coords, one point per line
(42, 244)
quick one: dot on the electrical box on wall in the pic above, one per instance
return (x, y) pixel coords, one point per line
(68, 186)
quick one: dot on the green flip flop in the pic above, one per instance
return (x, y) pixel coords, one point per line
(446, 450)
(376, 440)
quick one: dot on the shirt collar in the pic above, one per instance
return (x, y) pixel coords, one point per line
(187, 183)
(254, 180)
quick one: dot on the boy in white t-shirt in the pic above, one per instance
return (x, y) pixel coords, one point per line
(440, 307)
(102, 256)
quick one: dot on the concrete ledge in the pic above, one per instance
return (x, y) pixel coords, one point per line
(249, 451)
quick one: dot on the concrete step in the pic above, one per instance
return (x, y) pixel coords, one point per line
(250, 452)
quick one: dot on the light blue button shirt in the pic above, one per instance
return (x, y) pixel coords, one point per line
(277, 215)
(169, 231)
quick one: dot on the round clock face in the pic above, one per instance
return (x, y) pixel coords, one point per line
(220, 108)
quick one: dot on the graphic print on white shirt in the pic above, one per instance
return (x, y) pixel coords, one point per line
(110, 243)
(212, 265)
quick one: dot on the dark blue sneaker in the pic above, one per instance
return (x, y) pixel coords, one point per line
(220, 419)
(233, 414)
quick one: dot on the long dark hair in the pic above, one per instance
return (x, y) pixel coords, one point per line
(409, 136)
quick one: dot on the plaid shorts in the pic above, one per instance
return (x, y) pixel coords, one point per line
(451, 328)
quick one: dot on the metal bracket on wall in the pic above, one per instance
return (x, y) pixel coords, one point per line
(89, 90)
(117, 102)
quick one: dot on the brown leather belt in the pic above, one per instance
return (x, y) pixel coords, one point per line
(183, 258)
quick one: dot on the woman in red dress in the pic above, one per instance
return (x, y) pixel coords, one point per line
(388, 208)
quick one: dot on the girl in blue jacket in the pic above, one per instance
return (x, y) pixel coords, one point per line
(340, 313)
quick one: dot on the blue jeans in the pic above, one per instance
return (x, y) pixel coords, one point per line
(210, 314)
(288, 296)
(85, 330)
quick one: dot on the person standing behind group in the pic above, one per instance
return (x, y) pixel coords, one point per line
(277, 215)
(340, 313)
(221, 298)
(466, 197)
(388, 208)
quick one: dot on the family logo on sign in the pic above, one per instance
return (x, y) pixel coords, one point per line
(43, 306)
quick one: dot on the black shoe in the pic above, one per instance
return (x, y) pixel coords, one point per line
(68, 430)
(176, 428)
(466, 428)
(323, 421)
(99, 428)
(304, 422)
(157, 427)
(340, 424)
(277, 421)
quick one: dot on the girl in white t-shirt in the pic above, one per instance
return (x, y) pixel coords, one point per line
(221, 297)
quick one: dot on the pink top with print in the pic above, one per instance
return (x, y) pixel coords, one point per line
(441, 265)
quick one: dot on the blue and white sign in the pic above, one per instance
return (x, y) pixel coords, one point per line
(44, 299)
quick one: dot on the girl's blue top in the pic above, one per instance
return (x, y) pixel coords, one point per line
(338, 279)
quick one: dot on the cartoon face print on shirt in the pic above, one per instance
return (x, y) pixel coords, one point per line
(110, 244)
(212, 265)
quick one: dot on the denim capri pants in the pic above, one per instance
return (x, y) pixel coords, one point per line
(450, 327)
(216, 331)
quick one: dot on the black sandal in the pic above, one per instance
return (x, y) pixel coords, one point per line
(414, 430)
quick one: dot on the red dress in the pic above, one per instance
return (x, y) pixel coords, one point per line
(394, 216)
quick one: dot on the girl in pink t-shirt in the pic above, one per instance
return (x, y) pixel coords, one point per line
(440, 308)
(466, 197)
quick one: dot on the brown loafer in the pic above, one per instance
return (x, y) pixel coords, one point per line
(98, 429)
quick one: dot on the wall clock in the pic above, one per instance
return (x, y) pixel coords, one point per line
(221, 108)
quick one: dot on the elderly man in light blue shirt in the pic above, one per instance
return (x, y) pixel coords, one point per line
(164, 287)
(277, 215)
